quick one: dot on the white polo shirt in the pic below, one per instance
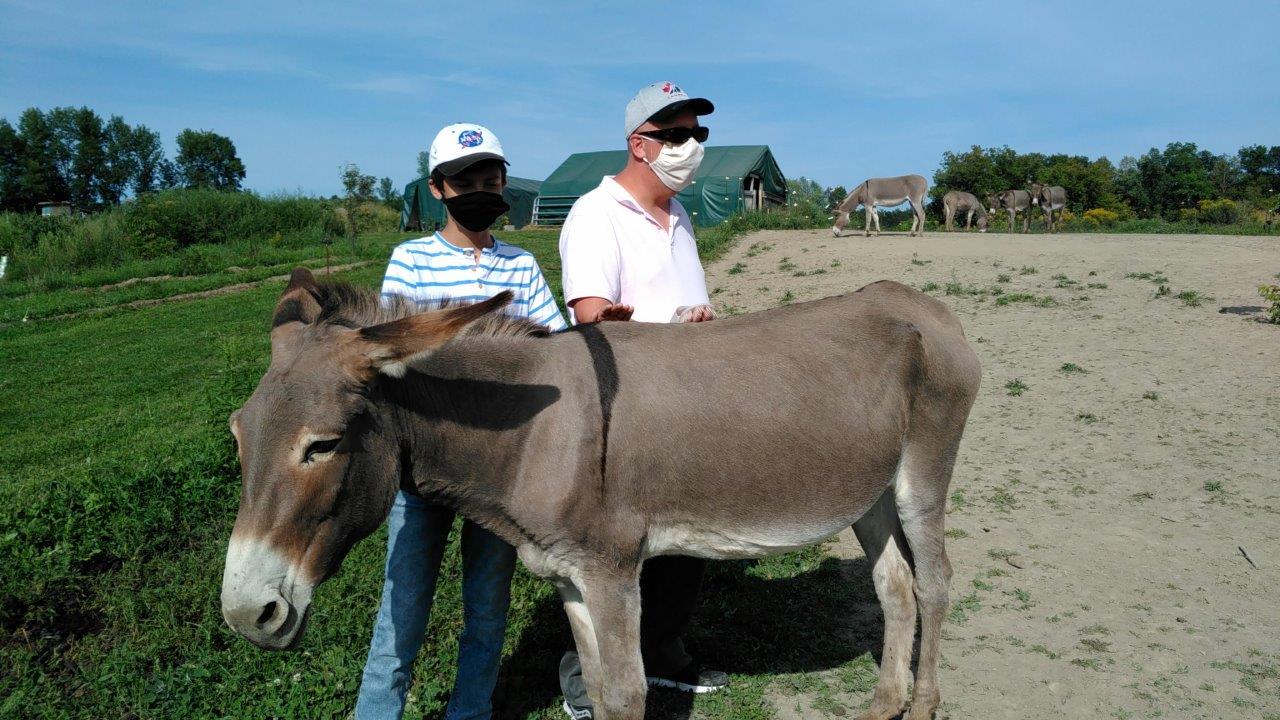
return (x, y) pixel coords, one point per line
(612, 248)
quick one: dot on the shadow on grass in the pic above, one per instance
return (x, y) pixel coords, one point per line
(798, 613)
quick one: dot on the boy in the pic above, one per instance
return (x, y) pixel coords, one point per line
(462, 262)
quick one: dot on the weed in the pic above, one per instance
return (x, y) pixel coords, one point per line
(1004, 278)
(1045, 651)
(956, 534)
(959, 612)
(958, 500)
(1150, 395)
(1091, 663)
(1071, 367)
(1022, 596)
(758, 248)
(1016, 387)
(1087, 418)
(929, 287)
(1096, 645)
(835, 263)
(917, 261)
(807, 273)
(1003, 500)
(1097, 286)
(1163, 291)
(1191, 298)
(1095, 630)
(1028, 270)
(737, 268)
(1062, 281)
(1038, 301)
(1213, 486)
(787, 298)
(785, 265)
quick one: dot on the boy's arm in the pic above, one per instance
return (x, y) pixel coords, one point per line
(542, 304)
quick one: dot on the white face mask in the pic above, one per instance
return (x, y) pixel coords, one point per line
(677, 164)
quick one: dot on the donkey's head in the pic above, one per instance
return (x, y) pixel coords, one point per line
(1035, 190)
(852, 202)
(320, 464)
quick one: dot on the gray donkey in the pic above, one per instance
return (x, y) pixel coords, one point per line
(956, 201)
(885, 192)
(593, 449)
(1014, 201)
(1050, 198)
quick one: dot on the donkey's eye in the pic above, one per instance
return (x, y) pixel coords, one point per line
(319, 448)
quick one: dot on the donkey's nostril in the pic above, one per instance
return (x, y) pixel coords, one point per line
(268, 611)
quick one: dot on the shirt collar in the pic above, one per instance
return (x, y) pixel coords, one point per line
(467, 251)
(619, 193)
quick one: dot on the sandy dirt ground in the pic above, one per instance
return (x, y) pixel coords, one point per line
(1097, 519)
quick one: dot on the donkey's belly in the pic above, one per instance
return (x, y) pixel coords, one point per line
(739, 543)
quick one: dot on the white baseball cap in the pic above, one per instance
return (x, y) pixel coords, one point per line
(462, 145)
(661, 101)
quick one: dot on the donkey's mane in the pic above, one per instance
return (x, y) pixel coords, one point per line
(342, 303)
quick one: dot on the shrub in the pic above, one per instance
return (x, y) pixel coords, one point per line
(1271, 293)
(1101, 217)
(1222, 212)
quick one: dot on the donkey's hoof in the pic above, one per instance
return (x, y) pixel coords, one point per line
(835, 232)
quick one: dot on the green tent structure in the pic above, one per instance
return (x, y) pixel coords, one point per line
(422, 211)
(731, 179)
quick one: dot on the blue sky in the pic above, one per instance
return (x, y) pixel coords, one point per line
(840, 91)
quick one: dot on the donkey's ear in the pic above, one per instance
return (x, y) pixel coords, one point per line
(300, 302)
(389, 346)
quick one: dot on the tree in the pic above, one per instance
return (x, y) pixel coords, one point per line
(88, 159)
(359, 189)
(151, 170)
(802, 190)
(40, 179)
(121, 166)
(12, 198)
(208, 160)
(424, 163)
(388, 193)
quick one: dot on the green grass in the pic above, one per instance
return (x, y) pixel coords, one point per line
(1022, 297)
(119, 492)
(1016, 387)
(1071, 368)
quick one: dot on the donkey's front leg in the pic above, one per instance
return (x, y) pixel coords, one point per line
(613, 599)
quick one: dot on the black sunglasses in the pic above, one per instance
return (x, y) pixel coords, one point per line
(679, 135)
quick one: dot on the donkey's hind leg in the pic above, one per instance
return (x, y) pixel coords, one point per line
(882, 540)
(921, 498)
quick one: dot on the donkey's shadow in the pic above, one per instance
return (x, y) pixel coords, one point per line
(754, 618)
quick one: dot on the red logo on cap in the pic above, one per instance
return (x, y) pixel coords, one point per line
(666, 88)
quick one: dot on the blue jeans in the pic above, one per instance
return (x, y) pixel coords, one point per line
(416, 539)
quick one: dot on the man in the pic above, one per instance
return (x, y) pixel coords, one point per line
(463, 262)
(628, 253)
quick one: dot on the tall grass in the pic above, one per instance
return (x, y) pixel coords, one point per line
(50, 252)
(714, 241)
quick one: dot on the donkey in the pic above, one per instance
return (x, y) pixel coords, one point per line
(968, 203)
(1014, 201)
(885, 192)
(595, 448)
(1049, 198)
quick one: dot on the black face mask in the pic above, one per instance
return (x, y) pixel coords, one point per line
(477, 210)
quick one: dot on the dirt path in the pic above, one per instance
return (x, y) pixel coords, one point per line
(1097, 518)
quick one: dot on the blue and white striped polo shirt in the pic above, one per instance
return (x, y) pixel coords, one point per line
(431, 269)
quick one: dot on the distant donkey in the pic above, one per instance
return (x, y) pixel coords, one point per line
(1013, 201)
(956, 201)
(1049, 198)
(885, 192)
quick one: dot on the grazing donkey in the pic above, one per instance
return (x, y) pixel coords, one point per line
(885, 192)
(593, 449)
(1014, 201)
(1050, 198)
(956, 201)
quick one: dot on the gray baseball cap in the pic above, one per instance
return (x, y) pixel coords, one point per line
(660, 101)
